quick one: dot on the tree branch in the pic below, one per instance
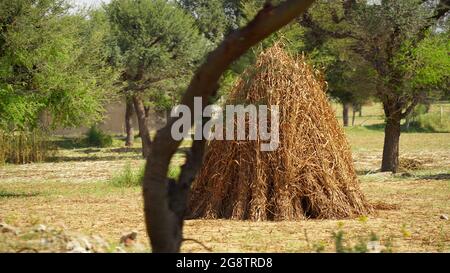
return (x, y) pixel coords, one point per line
(144, 131)
(163, 216)
(442, 9)
(411, 107)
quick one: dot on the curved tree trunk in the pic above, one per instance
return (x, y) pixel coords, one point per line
(144, 132)
(345, 109)
(391, 144)
(129, 123)
(165, 201)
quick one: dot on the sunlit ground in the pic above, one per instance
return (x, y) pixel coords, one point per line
(73, 194)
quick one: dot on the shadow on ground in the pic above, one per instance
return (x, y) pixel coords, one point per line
(413, 128)
(7, 194)
(125, 150)
(439, 176)
(91, 158)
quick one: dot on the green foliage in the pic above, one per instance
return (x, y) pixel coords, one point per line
(211, 17)
(405, 17)
(425, 65)
(156, 45)
(291, 36)
(391, 43)
(410, 57)
(369, 243)
(174, 172)
(424, 120)
(165, 93)
(95, 137)
(50, 60)
(350, 80)
(319, 247)
(23, 147)
(338, 237)
(17, 111)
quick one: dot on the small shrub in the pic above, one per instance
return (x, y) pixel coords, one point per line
(95, 137)
(174, 172)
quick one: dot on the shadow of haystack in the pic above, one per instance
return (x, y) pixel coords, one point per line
(310, 175)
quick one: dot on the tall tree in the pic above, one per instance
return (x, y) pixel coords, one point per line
(51, 60)
(155, 41)
(381, 33)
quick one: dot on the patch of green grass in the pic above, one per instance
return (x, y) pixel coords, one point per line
(128, 177)
(174, 172)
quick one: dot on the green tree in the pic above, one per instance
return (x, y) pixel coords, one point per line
(51, 61)
(387, 34)
(156, 47)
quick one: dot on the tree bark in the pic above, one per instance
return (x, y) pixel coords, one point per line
(391, 144)
(345, 109)
(129, 123)
(165, 200)
(395, 109)
(144, 131)
(354, 116)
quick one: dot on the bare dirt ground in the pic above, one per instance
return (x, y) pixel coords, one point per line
(75, 196)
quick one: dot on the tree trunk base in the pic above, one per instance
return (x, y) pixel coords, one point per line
(391, 145)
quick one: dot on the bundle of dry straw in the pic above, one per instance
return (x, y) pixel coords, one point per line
(310, 175)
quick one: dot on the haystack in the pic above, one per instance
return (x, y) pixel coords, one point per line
(310, 175)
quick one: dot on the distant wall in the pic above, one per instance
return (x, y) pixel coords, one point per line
(114, 122)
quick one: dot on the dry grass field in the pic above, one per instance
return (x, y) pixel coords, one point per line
(73, 194)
